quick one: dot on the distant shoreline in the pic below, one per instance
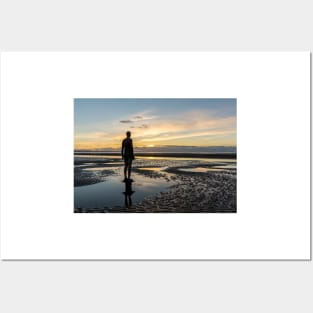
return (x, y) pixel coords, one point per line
(211, 155)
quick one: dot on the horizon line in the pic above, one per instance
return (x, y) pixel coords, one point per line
(155, 147)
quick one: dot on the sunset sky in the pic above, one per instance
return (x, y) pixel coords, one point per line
(102, 123)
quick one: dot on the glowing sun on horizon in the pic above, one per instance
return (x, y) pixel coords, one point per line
(150, 146)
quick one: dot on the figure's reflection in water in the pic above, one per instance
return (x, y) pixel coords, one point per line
(128, 193)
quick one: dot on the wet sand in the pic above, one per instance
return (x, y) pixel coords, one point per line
(211, 191)
(167, 154)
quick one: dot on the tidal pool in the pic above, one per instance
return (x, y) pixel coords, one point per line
(201, 169)
(113, 192)
(154, 169)
(100, 168)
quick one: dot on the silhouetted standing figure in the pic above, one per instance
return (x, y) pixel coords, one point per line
(127, 155)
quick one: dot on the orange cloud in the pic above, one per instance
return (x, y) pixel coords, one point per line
(194, 126)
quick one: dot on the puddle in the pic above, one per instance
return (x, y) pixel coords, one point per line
(201, 169)
(155, 169)
(115, 163)
(111, 192)
(228, 166)
(84, 164)
(100, 168)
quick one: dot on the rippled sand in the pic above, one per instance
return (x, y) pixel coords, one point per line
(211, 189)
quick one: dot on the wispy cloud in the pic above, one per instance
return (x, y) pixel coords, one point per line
(143, 126)
(139, 117)
(167, 137)
(91, 135)
(188, 127)
(191, 125)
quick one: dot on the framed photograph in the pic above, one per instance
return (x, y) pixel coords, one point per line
(216, 143)
(155, 155)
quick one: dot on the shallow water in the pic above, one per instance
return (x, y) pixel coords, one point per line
(201, 169)
(154, 169)
(228, 166)
(100, 168)
(113, 191)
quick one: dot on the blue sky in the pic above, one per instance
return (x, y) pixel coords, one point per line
(101, 123)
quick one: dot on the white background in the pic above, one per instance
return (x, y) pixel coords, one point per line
(272, 91)
(156, 286)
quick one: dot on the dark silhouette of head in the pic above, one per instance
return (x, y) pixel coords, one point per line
(128, 134)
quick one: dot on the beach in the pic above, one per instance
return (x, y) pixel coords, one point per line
(164, 183)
